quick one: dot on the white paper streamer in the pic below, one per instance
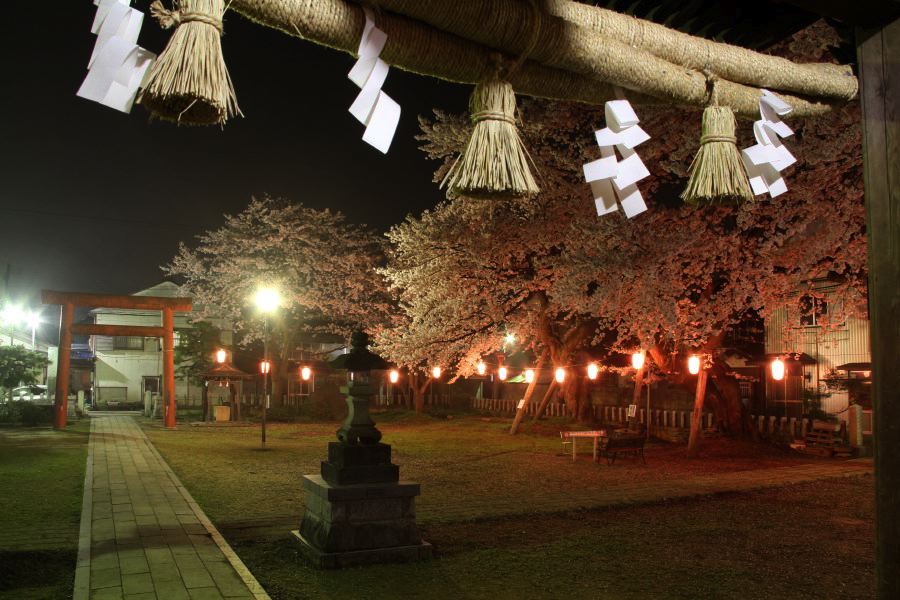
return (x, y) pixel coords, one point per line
(611, 178)
(372, 107)
(118, 65)
(765, 160)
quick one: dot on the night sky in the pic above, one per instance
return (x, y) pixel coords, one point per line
(96, 200)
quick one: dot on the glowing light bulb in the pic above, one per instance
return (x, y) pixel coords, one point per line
(637, 360)
(481, 367)
(221, 355)
(510, 338)
(777, 369)
(265, 367)
(305, 373)
(529, 375)
(560, 374)
(593, 371)
(502, 373)
(394, 376)
(267, 299)
(436, 372)
(694, 364)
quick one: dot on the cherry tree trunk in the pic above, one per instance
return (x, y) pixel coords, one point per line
(697, 415)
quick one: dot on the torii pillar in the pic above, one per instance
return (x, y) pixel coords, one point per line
(69, 300)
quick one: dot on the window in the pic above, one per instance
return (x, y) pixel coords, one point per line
(128, 342)
(812, 310)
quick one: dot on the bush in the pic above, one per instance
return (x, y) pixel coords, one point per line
(26, 413)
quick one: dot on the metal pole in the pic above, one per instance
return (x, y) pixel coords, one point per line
(265, 376)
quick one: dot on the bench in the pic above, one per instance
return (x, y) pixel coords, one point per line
(569, 437)
(624, 444)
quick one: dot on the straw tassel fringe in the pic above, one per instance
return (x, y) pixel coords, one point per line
(494, 163)
(189, 83)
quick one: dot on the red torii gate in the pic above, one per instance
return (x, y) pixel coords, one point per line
(69, 300)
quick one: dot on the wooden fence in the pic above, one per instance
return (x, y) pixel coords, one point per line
(669, 419)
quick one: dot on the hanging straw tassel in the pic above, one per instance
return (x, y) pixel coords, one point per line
(717, 173)
(189, 83)
(494, 164)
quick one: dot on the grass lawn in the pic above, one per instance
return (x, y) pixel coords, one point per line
(41, 481)
(506, 517)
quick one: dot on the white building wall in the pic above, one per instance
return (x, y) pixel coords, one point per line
(126, 369)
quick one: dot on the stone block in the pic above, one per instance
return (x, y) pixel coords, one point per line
(358, 558)
(357, 455)
(362, 474)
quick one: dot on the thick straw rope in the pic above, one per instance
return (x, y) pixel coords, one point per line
(726, 61)
(420, 48)
(624, 50)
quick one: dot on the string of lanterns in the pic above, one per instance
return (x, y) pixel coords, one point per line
(694, 364)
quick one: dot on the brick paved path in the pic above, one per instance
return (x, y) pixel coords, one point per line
(142, 535)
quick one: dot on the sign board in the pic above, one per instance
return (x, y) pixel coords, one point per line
(632, 410)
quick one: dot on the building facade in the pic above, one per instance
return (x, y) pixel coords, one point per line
(827, 353)
(126, 367)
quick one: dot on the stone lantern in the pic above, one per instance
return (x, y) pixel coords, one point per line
(358, 512)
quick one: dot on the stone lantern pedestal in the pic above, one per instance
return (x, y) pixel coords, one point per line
(358, 512)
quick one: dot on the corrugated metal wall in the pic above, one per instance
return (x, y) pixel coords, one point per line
(830, 346)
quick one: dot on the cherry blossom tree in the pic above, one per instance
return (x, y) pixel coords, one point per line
(673, 279)
(323, 267)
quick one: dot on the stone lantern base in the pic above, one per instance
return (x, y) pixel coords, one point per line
(358, 513)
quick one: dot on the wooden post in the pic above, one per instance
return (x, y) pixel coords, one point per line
(697, 415)
(169, 367)
(520, 411)
(878, 51)
(636, 395)
(63, 361)
(545, 401)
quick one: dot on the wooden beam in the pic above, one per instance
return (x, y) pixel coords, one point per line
(118, 330)
(878, 51)
(115, 301)
(859, 12)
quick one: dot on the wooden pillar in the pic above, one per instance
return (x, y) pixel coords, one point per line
(63, 362)
(169, 367)
(878, 51)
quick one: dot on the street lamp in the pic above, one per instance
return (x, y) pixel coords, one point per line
(11, 316)
(502, 373)
(221, 356)
(267, 300)
(305, 373)
(481, 367)
(529, 375)
(593, 371)
(33, 320)
(436, 372)
(510, 338)
(394, 375)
